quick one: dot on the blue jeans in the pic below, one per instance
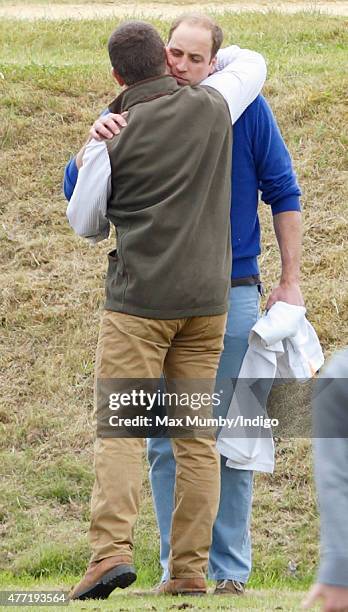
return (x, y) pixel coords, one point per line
(230, 553)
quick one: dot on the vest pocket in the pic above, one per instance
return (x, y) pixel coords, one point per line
(114, 266)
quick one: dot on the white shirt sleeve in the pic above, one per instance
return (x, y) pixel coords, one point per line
(86, 210)
(226, 56)
(239, 78)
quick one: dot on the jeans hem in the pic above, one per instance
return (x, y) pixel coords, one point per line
(216, 577)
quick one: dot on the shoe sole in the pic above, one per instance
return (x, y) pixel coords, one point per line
(235, 593)
(228, 593)
(119, 577)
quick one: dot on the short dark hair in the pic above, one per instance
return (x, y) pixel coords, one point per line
(137, 52)
(205, 22)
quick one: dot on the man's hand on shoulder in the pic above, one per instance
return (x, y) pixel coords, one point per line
(104, 128)
(334, 598)
(107, 126)
(286, 292)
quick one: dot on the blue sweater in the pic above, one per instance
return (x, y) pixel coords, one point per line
(262, 162)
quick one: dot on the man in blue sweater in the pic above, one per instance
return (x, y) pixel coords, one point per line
(260, 162)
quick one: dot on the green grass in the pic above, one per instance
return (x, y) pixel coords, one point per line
(254, 601)
(56, 80)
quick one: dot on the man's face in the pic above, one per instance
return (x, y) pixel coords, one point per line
(189, 54)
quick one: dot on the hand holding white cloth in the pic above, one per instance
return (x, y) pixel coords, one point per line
(282, 344)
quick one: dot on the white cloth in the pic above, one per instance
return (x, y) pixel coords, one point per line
(239, 79)
(282, 344)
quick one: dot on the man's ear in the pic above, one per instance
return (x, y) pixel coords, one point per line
(168, 61)
(213, 65)
(117, 77)
(168, 56)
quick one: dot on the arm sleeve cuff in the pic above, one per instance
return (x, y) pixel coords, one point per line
(286, 204)
(70, 177)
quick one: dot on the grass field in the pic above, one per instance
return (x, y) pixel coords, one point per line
(54, 81)
(255, 601)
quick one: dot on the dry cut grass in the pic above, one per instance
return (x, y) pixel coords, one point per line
(55, 81)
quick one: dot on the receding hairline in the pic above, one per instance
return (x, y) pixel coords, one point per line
(203, 21)
(194, 19)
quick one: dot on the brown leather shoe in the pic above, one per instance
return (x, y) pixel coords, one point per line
(229, 587)
(181, 586)
(102, 577)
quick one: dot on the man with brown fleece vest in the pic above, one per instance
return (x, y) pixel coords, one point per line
(164, 183)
